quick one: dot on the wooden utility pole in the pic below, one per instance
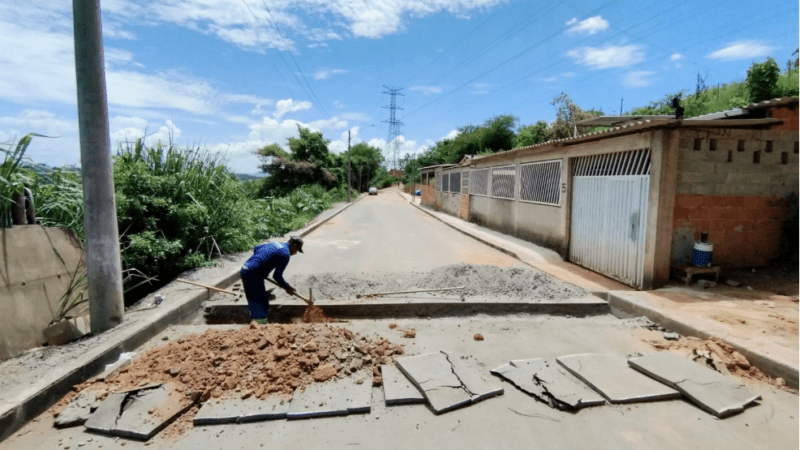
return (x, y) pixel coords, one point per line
(348, 166)
(103, 265)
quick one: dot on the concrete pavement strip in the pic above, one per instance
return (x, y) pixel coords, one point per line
(398, 389)
(611, 376)
(139, 413)
(79, 410)
(772, 360)
(549, 383)
(713, 392)
(180, 304)
(235, 410)
(337, 397)
(447, 384)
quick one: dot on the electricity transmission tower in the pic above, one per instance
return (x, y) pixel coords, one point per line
(394, 126)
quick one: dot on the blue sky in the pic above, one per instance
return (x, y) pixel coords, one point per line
(235, 75)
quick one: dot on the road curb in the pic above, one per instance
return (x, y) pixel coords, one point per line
(15, 414)
(766, 363)
(226, 313)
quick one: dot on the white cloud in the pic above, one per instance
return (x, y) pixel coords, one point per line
(480, 88)
(675, 57)
(323, 74)
(288, 105)
(426, 90)
(639, 78)
(36, 121)
(451, 135)
(590, 26)
(607, 57)
(741, 50)
(558, 77)
(128, 129)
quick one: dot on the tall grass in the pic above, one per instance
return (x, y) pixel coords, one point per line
(13, 177)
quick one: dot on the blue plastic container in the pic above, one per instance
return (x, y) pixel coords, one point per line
(702, 254)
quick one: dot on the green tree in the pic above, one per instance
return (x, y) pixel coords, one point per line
(307, 163)
(532, 134)
(567, 115)
(762, 80)
(364, 163)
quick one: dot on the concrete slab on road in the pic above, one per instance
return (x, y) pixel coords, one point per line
(549, 383)
(610, 375)
(719, 395)
(236, 410)
(513, 420)
(398, 389)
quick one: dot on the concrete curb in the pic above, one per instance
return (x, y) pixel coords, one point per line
(15, 414)
(284, 313)
(766, 363)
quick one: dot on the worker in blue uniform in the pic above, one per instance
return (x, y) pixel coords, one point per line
(266, 258)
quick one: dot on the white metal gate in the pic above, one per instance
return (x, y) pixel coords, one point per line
(609, 213)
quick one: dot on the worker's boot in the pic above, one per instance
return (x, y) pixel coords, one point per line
(261, 321)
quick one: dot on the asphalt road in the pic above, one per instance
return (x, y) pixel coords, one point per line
(384, 233)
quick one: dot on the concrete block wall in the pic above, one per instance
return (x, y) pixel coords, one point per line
(733, 184)
(464, 206)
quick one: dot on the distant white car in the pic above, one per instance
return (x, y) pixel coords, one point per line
(373, 191)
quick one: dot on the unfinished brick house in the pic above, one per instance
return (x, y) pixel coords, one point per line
(630, 201)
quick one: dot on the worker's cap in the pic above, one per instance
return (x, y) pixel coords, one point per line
(297, 242)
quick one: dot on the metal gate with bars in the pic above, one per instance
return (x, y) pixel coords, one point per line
(609, 214)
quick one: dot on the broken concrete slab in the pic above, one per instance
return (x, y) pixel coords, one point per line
(236, 410)
(611, 376)
(139, 413)
(713, 392)
(337, 397)
(398, 389)
(445, 386)
(104, 418)
(433, 375)
(477, 380)
(550, 383)
(79, 410)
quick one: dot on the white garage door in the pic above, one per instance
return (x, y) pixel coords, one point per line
(609, 213)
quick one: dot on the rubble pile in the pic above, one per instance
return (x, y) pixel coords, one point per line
(254, 361)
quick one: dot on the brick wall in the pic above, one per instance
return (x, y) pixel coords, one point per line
(465, 206)
(745, 231)
(789, 116)
(427, 195)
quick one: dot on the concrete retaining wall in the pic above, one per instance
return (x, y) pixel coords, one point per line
(35, 271)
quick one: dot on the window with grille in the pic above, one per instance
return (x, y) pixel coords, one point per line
(503, 181)
(635, 162)
(437, 183)
(445, 182)
(465, 182)
(455, 182)
(478, 182)
(540, 181)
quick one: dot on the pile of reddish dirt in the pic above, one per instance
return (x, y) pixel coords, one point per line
(257, 361)
(314, 314)
(717, 355)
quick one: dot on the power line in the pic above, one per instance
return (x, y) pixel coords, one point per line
(310, 94)
(294, 60)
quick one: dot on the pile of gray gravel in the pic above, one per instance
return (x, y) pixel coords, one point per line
(479, 280)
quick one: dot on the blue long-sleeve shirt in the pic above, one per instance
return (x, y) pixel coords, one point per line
(272, 255)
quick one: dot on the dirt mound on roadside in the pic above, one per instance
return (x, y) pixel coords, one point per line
(717, 355)
(512, 282)
(258, 360)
